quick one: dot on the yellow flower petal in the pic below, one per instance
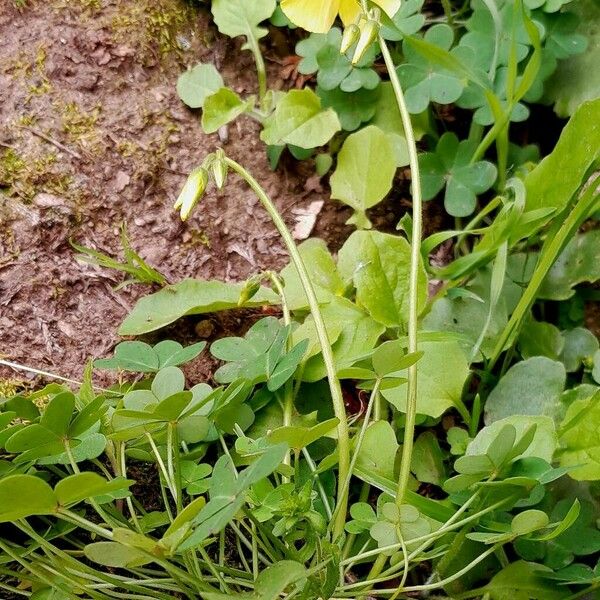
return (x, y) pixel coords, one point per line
(313, 15)
(391, 7)
(349, 11)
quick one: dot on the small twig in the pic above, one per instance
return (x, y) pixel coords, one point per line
(8, 146)
(52, 141)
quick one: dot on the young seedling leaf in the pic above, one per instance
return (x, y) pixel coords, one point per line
(196, 84)
(300, 120)
(364, 172)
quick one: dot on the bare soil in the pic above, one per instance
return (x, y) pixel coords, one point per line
(92, 135)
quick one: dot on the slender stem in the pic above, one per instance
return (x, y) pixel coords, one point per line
(415, 257)
(173, 463)
(123, 469)
(334, 384)
(260, 67)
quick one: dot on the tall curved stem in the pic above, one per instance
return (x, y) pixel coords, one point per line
(415, 258)
(334, 384)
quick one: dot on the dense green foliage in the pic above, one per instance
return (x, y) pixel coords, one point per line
(402, 425)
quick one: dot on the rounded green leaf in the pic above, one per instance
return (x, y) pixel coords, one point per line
(365, 169)
(195, 85)
(113, 554)
(300, 120)
(528, 521)
(25, 496)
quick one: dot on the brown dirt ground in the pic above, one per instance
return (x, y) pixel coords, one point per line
(92, 76)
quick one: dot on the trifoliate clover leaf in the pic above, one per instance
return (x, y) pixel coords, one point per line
(481, 35)
(194, 477)
(548, 6)
(407, 21)
(561, 38)
(321, 54)
(259, 356)
(474, 98)
(450, 166)
(424, 80)
(352, 109)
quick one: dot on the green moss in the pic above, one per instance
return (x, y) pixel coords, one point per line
(26, 176)
(77, 124)
(153, 25)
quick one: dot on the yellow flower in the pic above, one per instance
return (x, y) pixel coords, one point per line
(319, 15)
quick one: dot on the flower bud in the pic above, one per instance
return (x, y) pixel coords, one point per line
(368, 35)
(192, 191)
(219, 169)
(249, 290)
(350, 37)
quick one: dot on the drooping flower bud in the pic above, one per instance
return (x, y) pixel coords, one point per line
(219, 169)
(192, 191)
(350, 37)
(368, 35)
(249, 289)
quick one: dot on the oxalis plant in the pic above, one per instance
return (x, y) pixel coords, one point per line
(287, 478)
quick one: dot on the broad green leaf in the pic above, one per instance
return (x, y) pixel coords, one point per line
(428, 460)
(167, 382)
(529, 521)
(580, 439)
(522, 581)
(378, 451)
(300, 437)
(379, 264)
(24, 496)
(543, 444)
(358, 334)
(556, 179)
(195, 85)
(364, 173)
(221, 108)
(300, 120)
(57, 415)
(322, 272)
(113, 554)
(189, 297)
(531, 387)
(467, 315)
(442, 372)
(579, 262)
(81, 486)
(538, 338)
(187, 515)
(580, 344)
(240, 17)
